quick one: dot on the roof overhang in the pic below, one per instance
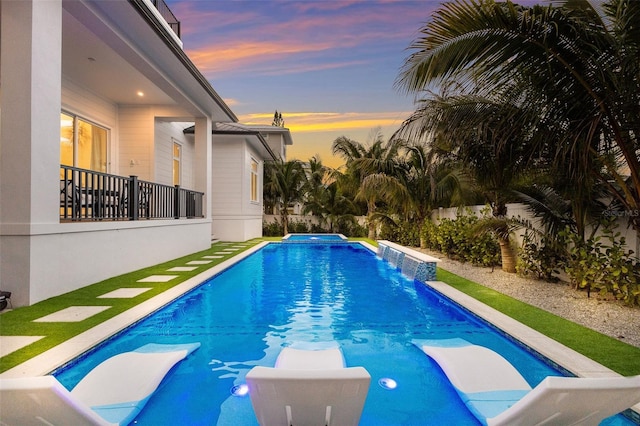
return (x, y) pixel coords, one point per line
(117, 48)
(250, 134)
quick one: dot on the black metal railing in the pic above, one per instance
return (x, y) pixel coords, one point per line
(168, 15)
(89, 195)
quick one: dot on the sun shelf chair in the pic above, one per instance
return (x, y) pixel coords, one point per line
(496, 393)
(113, 393)
(308, 387)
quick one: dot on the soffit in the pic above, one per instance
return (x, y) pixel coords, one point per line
(130, 56)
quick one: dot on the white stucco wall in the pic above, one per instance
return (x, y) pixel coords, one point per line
(86, 105)
(165, 133)
(235, 217)
(632, 241)
(39, 256)
(63, 262)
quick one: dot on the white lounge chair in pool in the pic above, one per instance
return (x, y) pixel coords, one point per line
(113, 393)
(308, 387)
(496, 393)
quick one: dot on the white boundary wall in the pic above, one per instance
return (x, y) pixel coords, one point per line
(517, 209)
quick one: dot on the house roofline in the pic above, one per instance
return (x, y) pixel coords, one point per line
(239, 132)
(257, 134)
(143, 9)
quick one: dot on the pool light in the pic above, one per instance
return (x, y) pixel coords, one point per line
(387, 383)
(240, 390)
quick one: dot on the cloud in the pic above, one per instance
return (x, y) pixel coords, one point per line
(231, 102)
(305, 122)
(244, 55)
(267, 38)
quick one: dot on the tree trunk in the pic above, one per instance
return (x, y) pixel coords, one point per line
(372, 230)
(371, 207)
(507, 255)
(285, 223)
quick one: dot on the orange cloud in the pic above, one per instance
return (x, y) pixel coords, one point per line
(242, 54)
(305, 122)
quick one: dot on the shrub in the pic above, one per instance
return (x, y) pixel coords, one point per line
(298, 227)
(273, 229)
(541, 257)
(601, 263)
(351, 229)
(453, 237)
(405, 233)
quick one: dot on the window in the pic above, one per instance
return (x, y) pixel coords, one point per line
(82, 144)
(254, 180)
(177, 154)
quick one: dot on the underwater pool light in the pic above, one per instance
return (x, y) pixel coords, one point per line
(387, 383)
(240, 390)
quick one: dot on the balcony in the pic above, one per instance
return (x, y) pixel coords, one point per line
(86, 195)
(168, 15)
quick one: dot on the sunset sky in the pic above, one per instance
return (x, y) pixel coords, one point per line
(328, 66)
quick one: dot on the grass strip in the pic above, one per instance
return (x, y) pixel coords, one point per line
(19, 322)
(614, 354)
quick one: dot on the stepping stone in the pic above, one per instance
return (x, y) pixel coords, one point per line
(182, 269)
(73, 314)
(212, 257)
(124, 293)
(157, 279)
(10, 344)
(199, 262)
(230, 249)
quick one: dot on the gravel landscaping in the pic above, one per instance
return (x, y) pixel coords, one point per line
(603, 314)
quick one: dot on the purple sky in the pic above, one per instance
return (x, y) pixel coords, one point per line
(327, 66)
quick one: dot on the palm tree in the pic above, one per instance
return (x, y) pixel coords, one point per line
(480, 134)
(373, 169)
(315, 186)
(431, 181)
(574, 72)
(334, 208)
(284, 181)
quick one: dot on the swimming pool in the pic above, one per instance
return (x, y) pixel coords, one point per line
(291, 294)
(314, 238)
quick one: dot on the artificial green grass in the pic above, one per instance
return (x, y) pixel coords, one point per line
(616, 355)
(19, 322)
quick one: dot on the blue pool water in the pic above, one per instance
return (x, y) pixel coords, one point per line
(305, 295)
(313, 238)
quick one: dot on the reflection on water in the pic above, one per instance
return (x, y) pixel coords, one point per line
(307, 296)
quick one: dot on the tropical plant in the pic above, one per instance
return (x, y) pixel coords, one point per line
(458, 239)
(284, 181)
(571, 73)
(373, 169)
(480, 134)
(431, 181)
(278, 121)
(601, 263)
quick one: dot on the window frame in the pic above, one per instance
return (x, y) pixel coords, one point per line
(175, 143)
(254, 181)
(75, 145)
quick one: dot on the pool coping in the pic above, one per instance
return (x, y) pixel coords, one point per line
(45, 363)
(565, 357)
(65, 352)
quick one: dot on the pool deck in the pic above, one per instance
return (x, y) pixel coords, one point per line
(45, 363)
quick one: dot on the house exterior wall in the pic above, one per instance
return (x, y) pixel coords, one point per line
(277, 144)
(136, 137)
(235, 217)
(83, 103)
(41, 257)
(166, 133)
